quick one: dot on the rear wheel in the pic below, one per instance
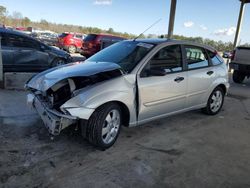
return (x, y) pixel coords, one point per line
(104, 126)
(72, 49)
(215, 102)
(58, 62)
(238, 77)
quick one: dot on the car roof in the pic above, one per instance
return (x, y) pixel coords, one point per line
(14, 32)
(157, 41)
(106, 34)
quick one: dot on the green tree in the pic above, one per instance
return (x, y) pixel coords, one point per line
(3, 12)
(26, 22)
(44, 24)
(111, 31)
(17, 18)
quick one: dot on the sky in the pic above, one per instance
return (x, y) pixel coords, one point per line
(213, 19)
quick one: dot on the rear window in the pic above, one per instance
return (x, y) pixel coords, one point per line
(215, 58)
(63, 35)
(90, 37)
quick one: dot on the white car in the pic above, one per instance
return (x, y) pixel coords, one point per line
(129, 83)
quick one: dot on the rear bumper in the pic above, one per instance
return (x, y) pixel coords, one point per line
(53, 120)
(240, 67)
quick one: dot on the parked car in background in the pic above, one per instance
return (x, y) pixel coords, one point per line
(22, 53)
(49, 38)
(71, 42)
(240, 63)
(95, 42)
(129, 83)
(227, 54)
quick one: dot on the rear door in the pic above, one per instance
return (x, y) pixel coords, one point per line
(7, 54)
(200, 74)
(162, 94)
(78, 40)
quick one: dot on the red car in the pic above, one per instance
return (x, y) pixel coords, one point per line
(95, 42)
(71, 42)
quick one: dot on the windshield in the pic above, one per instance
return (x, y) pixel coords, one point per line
(127, 54)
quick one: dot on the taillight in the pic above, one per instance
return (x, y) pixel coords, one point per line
(233, 55)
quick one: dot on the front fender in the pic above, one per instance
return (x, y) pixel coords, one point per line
(121, 89)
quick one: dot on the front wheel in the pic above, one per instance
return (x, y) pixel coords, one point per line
(215, 101)
(58, 62)
(104, 125)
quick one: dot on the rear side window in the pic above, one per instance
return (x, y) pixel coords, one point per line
(215, 58)
(63, 35)
(78, 36)
(168, 58)
(90, 37)
(196, 57)
(21, 42)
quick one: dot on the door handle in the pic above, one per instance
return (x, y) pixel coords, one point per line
(210, 73)
(178, 79)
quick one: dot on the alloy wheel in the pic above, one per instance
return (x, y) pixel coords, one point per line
(111, 126)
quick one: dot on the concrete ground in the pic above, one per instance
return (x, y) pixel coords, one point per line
(186, 150)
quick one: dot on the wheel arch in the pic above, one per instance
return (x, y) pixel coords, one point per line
(124, 110)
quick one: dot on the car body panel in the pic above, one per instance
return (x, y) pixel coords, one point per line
(121, 89)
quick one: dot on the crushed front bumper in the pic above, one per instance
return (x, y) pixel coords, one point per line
(53, 120)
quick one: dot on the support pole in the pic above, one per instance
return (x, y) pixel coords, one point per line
(242, 7)
(171, 19)
(1, 66)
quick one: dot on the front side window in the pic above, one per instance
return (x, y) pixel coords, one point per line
(166, 60)
(196, 57)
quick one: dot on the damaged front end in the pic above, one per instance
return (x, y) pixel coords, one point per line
(50, 90)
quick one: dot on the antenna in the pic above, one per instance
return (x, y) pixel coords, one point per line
(147, 29)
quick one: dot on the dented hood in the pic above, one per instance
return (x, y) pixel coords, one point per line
(44, 80)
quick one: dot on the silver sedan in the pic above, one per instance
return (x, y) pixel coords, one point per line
(129, 83)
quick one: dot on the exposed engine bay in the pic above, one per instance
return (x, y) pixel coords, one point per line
(48, 101)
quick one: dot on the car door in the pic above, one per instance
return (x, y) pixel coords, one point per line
(7, 54)
(200, 75)
(162, 84)
(78, 40)
(28, 55)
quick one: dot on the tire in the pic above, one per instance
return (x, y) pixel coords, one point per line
(104, 126)
(58, 62)
(72, 49)
(215, 102)
(238, 77)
